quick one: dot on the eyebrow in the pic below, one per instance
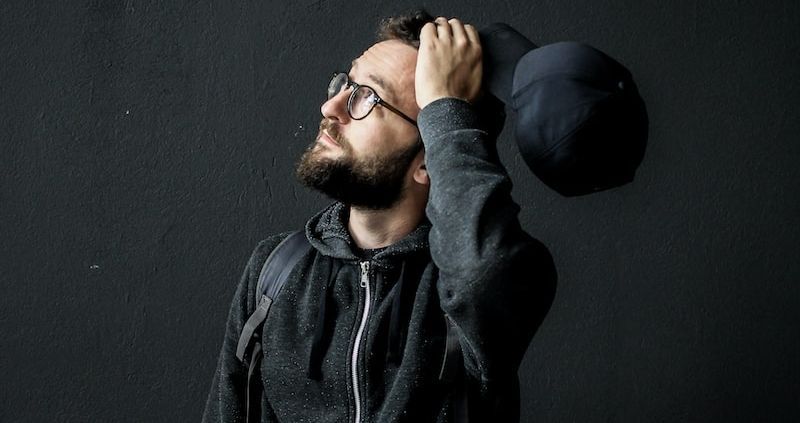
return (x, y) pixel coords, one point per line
(378, 81)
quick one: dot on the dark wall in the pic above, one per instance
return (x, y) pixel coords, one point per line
(147, 146)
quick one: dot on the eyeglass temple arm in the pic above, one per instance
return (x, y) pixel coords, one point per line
(399, 113)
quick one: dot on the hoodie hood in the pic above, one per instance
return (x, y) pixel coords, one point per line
(327, 231)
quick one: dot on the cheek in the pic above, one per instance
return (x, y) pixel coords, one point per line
(364, 137)
(374, 137)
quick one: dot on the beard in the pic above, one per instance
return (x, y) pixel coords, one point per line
(373, 183)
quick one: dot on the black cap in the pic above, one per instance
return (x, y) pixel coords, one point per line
(579, 121)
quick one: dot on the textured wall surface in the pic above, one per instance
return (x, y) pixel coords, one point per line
(147, 146)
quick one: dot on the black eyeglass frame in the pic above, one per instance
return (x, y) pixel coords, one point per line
(378, 100)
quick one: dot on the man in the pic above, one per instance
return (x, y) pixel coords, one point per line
(418, 238)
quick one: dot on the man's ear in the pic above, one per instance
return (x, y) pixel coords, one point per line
(420, 174)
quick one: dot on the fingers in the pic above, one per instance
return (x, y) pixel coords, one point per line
(427, 32)
(457, 29)
(443, 30)
(450, 30)
(472, 34)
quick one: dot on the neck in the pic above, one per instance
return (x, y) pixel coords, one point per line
(380, 228)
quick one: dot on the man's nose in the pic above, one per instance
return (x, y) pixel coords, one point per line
(335, 108)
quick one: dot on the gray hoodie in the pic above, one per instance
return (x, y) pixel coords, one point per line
(353, 339)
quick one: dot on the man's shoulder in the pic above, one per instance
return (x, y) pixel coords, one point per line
(257, 260)
(265, 247)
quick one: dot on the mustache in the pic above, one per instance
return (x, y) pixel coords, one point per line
(330, 128)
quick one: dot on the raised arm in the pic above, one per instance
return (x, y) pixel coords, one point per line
(495, 281)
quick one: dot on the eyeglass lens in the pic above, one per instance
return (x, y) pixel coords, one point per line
(360, 102)
(337, 84)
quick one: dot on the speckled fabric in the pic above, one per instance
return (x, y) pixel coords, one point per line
(470, 259)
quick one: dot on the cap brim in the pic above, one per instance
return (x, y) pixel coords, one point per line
(502, 48)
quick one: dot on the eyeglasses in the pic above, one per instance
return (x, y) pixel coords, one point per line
(362, 99)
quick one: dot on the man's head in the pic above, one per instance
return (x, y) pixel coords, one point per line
(372, 161)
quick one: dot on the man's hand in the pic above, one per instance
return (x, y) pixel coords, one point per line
(449, 62)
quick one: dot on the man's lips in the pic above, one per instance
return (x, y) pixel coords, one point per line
(327, 139)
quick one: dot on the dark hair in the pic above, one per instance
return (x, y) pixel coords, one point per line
(405, 27)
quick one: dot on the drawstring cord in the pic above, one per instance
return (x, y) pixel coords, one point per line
(394, 346)
(315, 358)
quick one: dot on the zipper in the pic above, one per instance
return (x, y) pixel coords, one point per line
(359, 334)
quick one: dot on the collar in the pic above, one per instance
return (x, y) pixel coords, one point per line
(327, 231)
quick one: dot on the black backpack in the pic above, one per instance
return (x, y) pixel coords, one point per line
(271, 280)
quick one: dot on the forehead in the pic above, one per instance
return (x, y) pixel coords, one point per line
(389, 66)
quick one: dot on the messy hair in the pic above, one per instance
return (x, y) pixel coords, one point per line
(405, 27)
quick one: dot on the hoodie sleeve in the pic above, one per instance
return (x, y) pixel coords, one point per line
(496, 282)
(227, 397)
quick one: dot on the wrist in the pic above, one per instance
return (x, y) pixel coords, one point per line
(444, 115)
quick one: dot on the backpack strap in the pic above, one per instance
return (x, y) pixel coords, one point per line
(271, 280)
(273, 276)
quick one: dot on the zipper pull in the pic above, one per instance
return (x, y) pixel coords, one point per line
(364, 273)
